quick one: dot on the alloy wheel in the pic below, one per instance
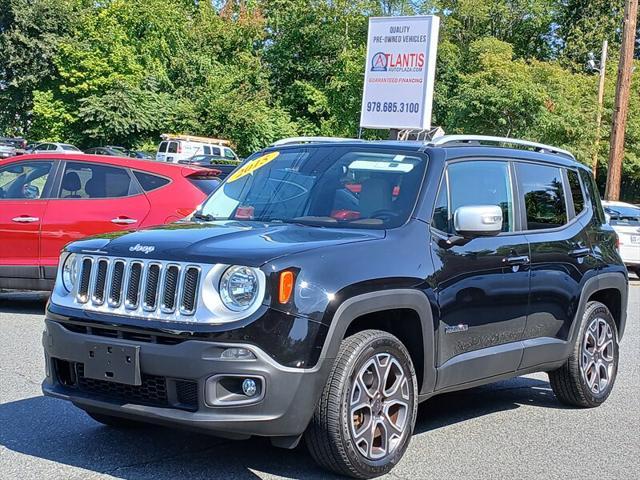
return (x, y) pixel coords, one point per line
(597, 361)
(379, 406)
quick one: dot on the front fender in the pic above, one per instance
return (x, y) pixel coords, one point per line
(379, 301)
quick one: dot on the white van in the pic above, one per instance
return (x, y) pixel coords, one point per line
(174, 148)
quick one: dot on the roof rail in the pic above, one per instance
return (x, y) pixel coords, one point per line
(292, 140)
(467, 139)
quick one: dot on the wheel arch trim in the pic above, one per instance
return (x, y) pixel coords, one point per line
(603, 281)
(379, 301)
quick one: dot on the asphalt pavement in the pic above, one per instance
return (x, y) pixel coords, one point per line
(508, 430)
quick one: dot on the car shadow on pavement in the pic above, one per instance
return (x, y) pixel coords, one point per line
(28, 303)
(56, 431)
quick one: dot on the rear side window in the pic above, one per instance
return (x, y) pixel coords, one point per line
(173, 147)
(474, 183)
(215, 151)
(150, 182)
(163, 147)
(542, 189)
(592, 194)
(576, 191)
(84, 180)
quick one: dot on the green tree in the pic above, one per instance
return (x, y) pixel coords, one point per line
(583, 25)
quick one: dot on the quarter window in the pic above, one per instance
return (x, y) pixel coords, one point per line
(83, 180)
(475, 183)
(543, 193)
(150, 182)
(576, 191)
(441, 211)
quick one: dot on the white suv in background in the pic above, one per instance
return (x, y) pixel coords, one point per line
(625, 220)
(174, 148)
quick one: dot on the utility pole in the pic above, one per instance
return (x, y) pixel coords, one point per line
(603, 71)
(616, 152)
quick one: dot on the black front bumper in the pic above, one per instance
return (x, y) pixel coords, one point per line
(173, 385)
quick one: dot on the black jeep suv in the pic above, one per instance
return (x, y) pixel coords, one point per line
(327, 287)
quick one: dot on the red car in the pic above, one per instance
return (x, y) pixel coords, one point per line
(49, 200)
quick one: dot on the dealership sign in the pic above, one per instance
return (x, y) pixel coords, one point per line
(399, 72)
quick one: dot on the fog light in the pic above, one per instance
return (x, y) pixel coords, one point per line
(249, 387)
(237, 353)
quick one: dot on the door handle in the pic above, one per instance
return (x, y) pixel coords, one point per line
(580, 252)
(26, 219)
(123, 221)
(516, 260)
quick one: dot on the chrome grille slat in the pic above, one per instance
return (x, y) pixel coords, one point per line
(172, 278)
(134, 284)
(152, 282)
(100, 281)
(85, 280)
(138, 286)
(116, 283)
(189, 290)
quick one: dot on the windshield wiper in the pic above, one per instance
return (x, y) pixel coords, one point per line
(205, 217)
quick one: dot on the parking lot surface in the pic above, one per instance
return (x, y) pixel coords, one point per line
(513, 429)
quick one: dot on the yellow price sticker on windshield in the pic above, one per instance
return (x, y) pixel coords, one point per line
(252, 166)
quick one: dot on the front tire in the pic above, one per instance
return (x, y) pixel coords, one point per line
(587, 377)
(365, 417)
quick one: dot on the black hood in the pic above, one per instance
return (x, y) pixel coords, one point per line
(231, 242)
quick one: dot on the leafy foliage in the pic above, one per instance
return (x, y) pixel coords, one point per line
(124, 71)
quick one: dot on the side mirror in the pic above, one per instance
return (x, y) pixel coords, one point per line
(478, 220)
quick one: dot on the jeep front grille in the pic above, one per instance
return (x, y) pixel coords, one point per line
(138, 286)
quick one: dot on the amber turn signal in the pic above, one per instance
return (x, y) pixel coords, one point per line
(286, 286)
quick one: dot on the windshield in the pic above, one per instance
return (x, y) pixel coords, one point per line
(325, 186)
(69, 147)
(621, 215)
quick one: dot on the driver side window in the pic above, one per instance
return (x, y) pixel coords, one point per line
(474, 183)
(24, 181)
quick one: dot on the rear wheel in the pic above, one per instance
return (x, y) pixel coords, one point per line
(365, 417)
(587, 377)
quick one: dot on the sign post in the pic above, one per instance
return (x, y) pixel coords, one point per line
(400, 72)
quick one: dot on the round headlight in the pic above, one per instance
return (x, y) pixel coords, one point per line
(70, 272)
(239, 288)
